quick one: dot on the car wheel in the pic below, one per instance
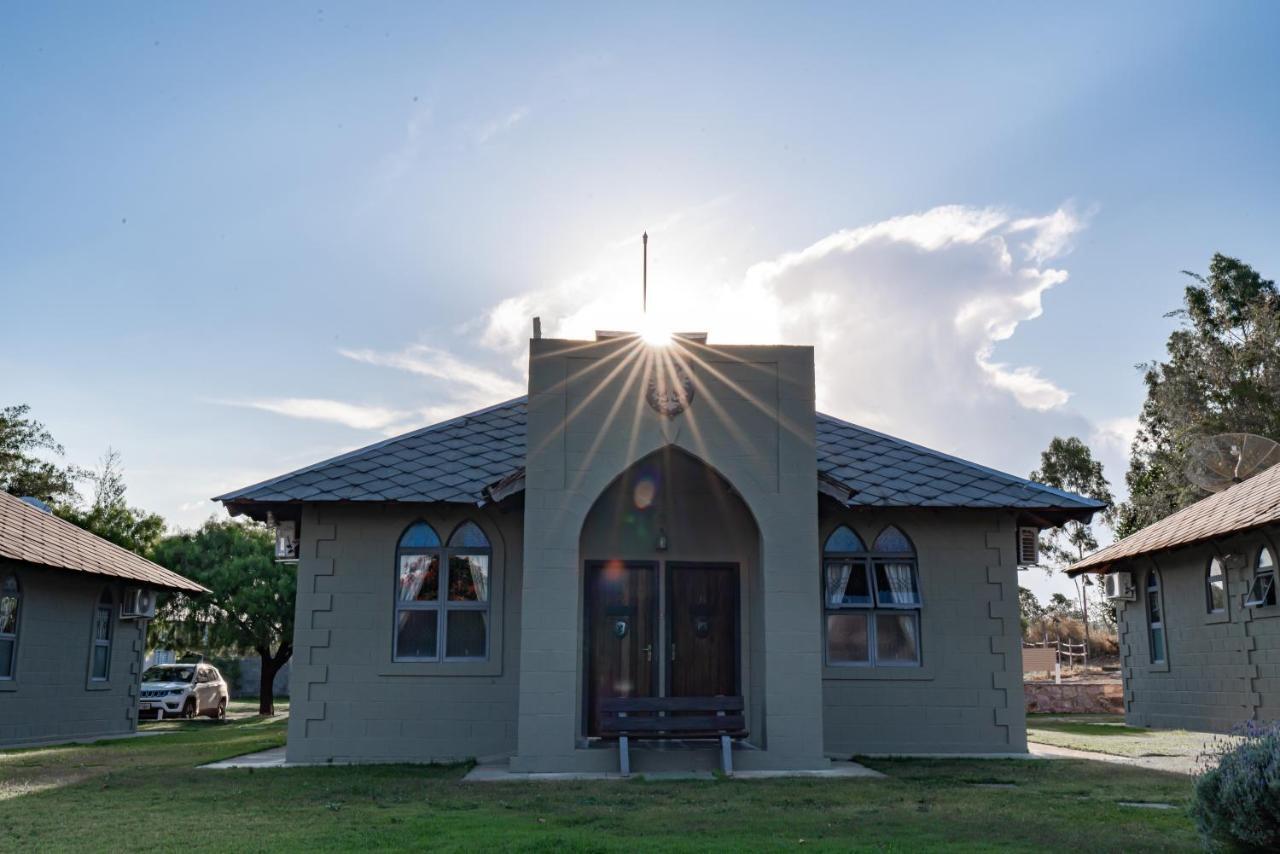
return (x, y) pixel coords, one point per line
(189, 710)
(222, 710)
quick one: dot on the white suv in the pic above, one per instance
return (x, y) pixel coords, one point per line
(183, 690)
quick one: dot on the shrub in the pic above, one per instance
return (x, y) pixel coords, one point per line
(1237, 790)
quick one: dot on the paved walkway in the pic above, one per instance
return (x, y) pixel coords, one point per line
(1173, 764)
(499, 773)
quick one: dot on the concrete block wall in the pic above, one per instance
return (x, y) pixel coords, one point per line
(1220, 669)
(349, 701)
(51, 697)
(967, 695)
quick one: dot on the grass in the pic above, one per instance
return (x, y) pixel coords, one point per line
(1108, 734)
(147, 794)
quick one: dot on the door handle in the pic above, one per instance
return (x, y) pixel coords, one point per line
(673, 652)
(648, 652)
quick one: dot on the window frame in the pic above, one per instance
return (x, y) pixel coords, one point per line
(442, 606)
(10, 679)
(1269, 598)
(1210, 577)
(105, 603)
(1154, 588)
(870, 561)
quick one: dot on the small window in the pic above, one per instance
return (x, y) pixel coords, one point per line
(1215, 584)
(443, 618)
(1155, 618)
(892, 541)
(468, 536)
(10, 598)
(102, 619)
(871, 599)
(1262, 593)
(843, 539)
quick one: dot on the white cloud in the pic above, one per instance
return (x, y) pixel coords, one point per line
(334, 411)
(906, 316)
(430, 362)
(502, 124)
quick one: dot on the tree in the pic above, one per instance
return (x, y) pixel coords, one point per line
(1029, 608)
(22, 472)
(110, 516)
(1069, 464)
(1221, 375)
(250, 607)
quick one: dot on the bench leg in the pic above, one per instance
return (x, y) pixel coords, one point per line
(726, 755)
(624, 756)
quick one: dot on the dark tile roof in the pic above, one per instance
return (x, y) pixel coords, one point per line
(31, 535)
(460, 460)
(1239, 507)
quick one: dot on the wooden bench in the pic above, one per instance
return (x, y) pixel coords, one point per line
(625, 718)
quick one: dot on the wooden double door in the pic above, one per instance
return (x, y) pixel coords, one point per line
(688, 647)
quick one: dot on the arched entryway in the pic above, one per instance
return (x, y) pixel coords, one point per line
(670, 565)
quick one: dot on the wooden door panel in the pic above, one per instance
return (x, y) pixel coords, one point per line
(621, 633)
(702, 612)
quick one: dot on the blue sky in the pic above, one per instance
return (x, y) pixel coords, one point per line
(236, 239)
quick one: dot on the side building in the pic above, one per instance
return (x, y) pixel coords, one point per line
(71, 640)
(1195, 595)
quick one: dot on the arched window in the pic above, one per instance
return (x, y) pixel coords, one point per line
(467, 610)
(1215, 587)
(442, 621)
(1262, 593)
(1155, 618)
(10, 599)
(871, 600)
(100, 668)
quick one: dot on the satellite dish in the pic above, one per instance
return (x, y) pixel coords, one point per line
(1216, 462)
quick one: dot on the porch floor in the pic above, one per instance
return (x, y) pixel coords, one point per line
(500, 772)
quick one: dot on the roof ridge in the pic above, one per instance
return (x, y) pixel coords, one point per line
(1086, 501)
(430, 428)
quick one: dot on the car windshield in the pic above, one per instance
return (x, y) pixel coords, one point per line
(168, 674)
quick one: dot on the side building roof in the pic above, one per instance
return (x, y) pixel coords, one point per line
(30, 535)
(1249, 504)
(477, 457)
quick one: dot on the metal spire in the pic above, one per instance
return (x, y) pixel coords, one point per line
(644, 238)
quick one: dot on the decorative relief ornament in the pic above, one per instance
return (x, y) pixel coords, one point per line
(670, 389)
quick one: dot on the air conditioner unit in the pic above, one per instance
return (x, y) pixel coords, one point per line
(286, 540)
(1119, 585)
(1028, 546)
(139, 604)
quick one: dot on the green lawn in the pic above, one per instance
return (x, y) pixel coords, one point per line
(1108, 734)
(146, 793)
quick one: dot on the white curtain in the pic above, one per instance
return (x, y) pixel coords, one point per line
(902, 587)
(837, 582)
(480, 575)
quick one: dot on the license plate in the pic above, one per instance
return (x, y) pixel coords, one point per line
(148, 706)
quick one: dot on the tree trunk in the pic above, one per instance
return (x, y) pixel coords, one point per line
(271, 665)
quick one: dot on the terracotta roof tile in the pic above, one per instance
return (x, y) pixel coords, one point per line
(1249, 504)
(34, 536)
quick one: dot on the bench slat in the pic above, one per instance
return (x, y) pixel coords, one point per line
(675, 725)
(613, 705)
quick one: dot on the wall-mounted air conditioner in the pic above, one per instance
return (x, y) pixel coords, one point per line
(1119, 585)
(139, 604)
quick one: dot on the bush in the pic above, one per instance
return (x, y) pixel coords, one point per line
(1237, 791)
